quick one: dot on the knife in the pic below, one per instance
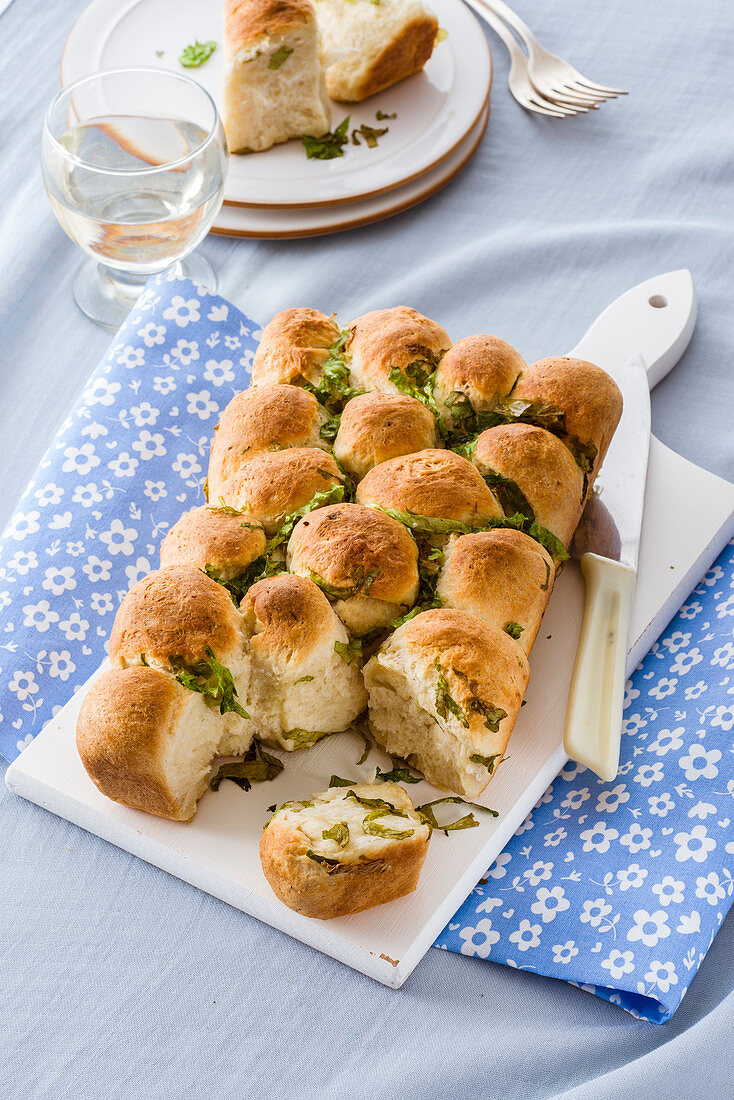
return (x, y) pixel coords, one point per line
(637, 339)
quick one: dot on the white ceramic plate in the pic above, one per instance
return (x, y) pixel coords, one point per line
(436, 108)
(315, 221)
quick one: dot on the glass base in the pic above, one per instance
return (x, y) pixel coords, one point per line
(107, 296)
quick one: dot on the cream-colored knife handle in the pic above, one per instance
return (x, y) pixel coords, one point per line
(594, 715)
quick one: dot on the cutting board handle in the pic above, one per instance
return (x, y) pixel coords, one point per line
(654, 319)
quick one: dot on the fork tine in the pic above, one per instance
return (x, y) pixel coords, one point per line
(557, 96)
(600, 88)
(559, 110)
(539, 108)
(581, 90)
(574, 92)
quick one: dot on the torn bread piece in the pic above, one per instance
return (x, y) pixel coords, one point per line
(273, 83)
(345, 849)
(444, 692)
(370, 45)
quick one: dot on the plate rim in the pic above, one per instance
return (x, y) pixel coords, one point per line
(311, 204)
(366, 219)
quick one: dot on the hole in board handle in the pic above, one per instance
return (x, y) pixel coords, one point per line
(658, 301)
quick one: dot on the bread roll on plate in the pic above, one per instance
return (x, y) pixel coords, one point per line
(306, 678)
(334, 854)
(262, 418)
(213, 538)
(444, 692)
(503, 576)
(433, 491)
(373, 44)
(364, 561)
(182, 622)
(473, 376)
(274, 484)
(521, 457)
(273, 82)
(399, 339)
(294, 347)
(377, 426)
(148, 742)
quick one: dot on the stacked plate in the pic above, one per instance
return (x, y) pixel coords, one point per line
(434, 121)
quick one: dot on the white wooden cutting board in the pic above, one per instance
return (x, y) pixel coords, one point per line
(689, 517)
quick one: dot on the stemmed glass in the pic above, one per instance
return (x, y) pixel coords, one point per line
(134, 162)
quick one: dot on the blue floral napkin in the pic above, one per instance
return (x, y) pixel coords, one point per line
(618, 887)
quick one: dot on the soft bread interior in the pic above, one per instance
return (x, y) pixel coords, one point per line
(404, 722)
(268, 100)
(195, 739)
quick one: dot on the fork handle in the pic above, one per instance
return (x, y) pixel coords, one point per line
(596, 695)
(484, 9)
(502, 11)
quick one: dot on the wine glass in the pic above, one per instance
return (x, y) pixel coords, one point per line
(134, 162)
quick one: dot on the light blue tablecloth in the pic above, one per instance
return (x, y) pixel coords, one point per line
(119, 981)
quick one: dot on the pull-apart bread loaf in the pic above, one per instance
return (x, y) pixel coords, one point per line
(364, 561)
(263, 418)
(373, 45)
(336, 853)
(306, 680)
(273, 85)
(471, 472)
(445, 690)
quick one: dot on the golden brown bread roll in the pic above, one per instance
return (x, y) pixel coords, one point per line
(148, 742)
(369, 46)
(436, 484)
(587, 400)
(473, 376)
(398, 339)
(213, 537)
(306, 678)
(363, 560)
(541, 467)
(274, 484)
(294, 347)
(377, 426)
(444, 692)
(262, 418)
(332, 855)
(503, 576)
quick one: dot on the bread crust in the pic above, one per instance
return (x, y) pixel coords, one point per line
(378, 426)
(345, 544)
(503, 576)
(587, 396)
(435, 483)
(542, 467)
(291, 616)
(245, 21)
(387, 338)
(172, 616)
(294, 347)
(262, 418)
(308, 887)
(274, 484)
(212, 536)
(124, 723)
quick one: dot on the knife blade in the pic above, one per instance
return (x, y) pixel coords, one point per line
(607, 543)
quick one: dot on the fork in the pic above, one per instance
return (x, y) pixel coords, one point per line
(541, 82)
